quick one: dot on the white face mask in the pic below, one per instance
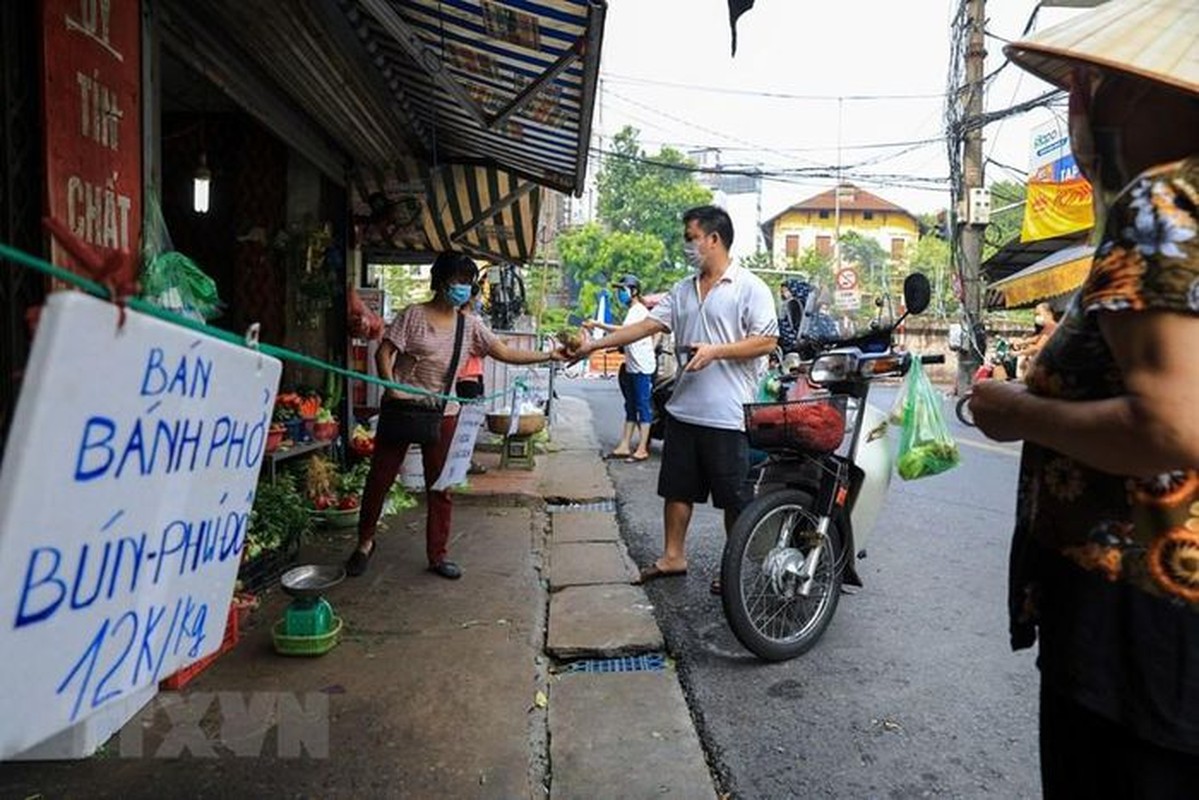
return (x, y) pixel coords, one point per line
(692, 254)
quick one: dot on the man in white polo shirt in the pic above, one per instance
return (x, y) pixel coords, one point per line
(724, 324)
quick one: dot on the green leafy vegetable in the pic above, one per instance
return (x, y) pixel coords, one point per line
(925, 447)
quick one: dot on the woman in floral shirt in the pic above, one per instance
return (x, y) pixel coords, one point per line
(1105, 558)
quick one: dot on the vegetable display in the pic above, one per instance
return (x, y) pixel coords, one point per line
(362, 441)
(277, 517)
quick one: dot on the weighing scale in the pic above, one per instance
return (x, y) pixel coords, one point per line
(309, 627)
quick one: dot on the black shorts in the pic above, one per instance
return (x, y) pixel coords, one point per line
(698, 461)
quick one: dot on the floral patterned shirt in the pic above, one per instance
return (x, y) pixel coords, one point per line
(1105, 567)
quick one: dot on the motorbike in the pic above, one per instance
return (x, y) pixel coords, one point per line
(818, 493)
(1001, 365)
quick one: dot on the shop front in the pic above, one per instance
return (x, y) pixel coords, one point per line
(267, 152)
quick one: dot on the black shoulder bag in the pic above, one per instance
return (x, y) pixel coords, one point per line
(406, 421)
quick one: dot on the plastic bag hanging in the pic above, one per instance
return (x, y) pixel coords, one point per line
(925, 445)
(171, 280)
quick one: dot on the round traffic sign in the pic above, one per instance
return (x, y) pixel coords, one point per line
(847, 279)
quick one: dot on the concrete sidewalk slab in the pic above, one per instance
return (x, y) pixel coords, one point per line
(573, 428)
(584, 526)
(588, 563)
(575, 475)
(601, 622)
(624, 735)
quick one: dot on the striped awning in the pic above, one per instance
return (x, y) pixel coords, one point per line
(479, 209)
(1053, 276)
(505, 83)
(509, 83)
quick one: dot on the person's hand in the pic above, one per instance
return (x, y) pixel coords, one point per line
(991, 404)
(702, 355)
(557, 355)
(579, 353)
(588, 324)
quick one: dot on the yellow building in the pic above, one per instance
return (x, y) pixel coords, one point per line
(813, 223)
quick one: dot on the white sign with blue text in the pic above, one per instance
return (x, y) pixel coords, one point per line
(125, 492)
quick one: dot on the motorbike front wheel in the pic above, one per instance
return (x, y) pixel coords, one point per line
(962, 410)
(780, 577)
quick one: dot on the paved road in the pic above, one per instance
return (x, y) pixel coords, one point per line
(912, 692)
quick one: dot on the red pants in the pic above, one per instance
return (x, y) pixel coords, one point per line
(385, 466)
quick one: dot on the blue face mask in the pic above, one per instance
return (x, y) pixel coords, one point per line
(458, 294)
(623, 296)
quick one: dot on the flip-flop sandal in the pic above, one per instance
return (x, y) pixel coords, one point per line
(653, 572)
(615, 456)
(636, 459)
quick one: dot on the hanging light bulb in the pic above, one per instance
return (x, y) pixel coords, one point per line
(201, 182)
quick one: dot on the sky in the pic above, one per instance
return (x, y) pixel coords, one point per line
(666, 70)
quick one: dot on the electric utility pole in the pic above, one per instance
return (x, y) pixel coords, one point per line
(971, 232)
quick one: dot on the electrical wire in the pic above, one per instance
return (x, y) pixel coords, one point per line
(697, 126)
(628, 79)
(787, 175)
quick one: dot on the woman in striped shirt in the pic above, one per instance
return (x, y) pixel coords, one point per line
(417, 350)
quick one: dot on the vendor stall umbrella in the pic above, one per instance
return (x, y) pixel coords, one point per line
(201, 182)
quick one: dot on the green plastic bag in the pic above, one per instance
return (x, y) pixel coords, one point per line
(925, 444)
(171, 280)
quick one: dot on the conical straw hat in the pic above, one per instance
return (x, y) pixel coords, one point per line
(1153, 39)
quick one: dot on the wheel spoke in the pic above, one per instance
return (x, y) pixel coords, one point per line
(768, 564)
(777, 617)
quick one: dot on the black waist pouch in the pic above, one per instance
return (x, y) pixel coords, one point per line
(408, 422)
(413, 422)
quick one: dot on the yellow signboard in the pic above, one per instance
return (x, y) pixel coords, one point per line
(1056, 209)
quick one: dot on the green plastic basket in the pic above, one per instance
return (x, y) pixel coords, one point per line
(305, 645)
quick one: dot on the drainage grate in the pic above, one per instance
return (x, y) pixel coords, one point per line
(607, 506)
(653, 662)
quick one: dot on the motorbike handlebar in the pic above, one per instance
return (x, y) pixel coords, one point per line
(937, 359)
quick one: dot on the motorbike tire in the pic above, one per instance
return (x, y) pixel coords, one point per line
(755, 634)
(962, 411)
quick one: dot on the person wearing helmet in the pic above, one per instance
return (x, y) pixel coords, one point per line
(636, 374)
(1105, 555)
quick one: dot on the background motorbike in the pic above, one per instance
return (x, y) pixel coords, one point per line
(1000, 366)
(818, 493)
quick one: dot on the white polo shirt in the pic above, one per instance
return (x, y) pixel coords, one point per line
(738, 306)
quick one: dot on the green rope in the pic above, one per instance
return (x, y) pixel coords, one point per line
(24, 259)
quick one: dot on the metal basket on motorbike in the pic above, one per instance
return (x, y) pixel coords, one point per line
(811, 425)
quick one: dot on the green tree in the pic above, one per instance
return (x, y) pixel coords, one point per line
(647, 194)
(594, 257)
(931, 256)
(815, 266)
(1008, 198)
(543, 282)
(404, 285)
(872, 262)
(762, 259)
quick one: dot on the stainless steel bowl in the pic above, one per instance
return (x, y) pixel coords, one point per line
(312, 580)
(527, 425)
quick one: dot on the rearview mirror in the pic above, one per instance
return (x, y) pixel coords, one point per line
(916, 293)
